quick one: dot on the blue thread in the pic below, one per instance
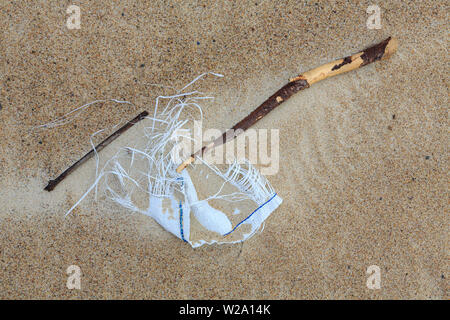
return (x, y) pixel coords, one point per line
(181, 223)
(250, 215)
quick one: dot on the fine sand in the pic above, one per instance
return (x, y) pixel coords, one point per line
(363, 168)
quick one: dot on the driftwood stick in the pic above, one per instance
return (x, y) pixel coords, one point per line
(379, 51)
(53, 183)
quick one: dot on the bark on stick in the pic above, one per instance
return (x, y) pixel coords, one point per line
(377, 52)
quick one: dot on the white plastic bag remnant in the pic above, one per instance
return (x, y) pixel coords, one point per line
(202, 205)
(210, 218)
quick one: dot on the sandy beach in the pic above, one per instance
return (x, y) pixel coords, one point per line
(363, 167)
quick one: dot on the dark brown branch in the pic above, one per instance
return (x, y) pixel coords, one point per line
(53, 183)
(271, 103)
(379, 51)
(369, 55)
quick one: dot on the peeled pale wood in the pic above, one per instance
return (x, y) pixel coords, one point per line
(379, 51)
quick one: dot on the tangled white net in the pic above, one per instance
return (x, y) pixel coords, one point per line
(233, 203)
